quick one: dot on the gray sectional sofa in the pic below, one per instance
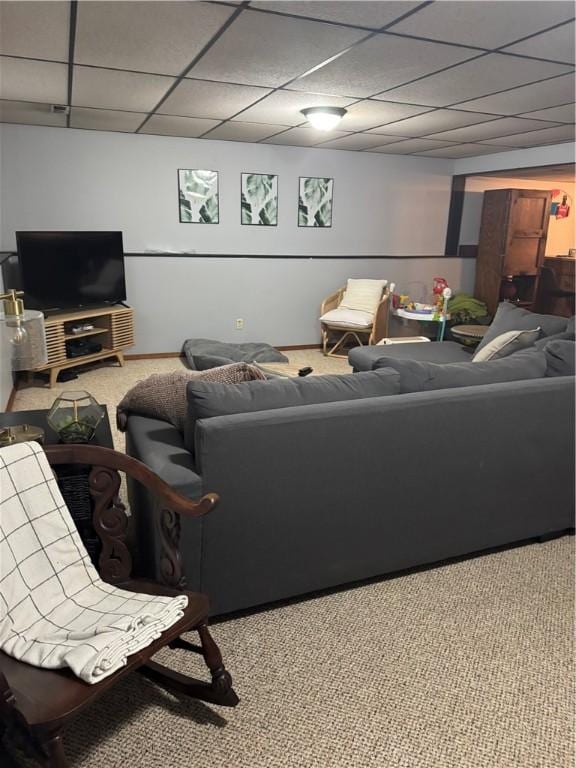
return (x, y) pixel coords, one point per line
(320, 495)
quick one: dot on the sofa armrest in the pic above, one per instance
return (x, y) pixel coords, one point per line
(161, 447)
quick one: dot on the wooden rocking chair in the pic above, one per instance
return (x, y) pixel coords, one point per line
(44, 700)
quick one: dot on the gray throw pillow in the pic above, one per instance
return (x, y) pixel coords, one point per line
(506, 344)
(560, 358)
(416, 376)
(568, 334)
(509, 317)
(206, 400)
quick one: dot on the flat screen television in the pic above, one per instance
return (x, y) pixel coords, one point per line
(68, 270)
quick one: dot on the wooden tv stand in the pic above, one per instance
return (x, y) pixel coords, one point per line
(113, 328)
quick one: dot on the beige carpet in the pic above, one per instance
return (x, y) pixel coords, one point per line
(465, 666)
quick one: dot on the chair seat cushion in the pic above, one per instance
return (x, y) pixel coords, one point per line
(347, 318)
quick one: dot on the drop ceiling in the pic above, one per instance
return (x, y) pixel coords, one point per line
(444, 79)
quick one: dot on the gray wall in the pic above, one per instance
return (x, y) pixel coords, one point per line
(383, 206)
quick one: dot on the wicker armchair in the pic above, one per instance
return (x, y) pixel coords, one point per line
(337, 335)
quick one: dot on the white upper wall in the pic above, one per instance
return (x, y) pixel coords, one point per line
(555, 154)
(74, 179)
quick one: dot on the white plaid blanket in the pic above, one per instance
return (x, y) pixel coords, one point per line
(55, 611)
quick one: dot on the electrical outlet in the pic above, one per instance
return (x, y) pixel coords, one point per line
(240, 324)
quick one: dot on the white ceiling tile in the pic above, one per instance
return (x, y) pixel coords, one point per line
(485, 24)
(379, 63)
(463, 150)
(564, 114)
(372, 15)
(410, 146)
(534, 138)
(38, 30)
(550, 93)
(431, 122)
(188, 127)
(105, 119)
(501, 127)
(30, 113)
(558, 45)
(236, 131)
(200, 98)
(474, 79)
(268, 50)
(354, 141)
(367, 114)
(28, 80)
(113, 89)
(284, 107)
(157, 37)
(302, 137)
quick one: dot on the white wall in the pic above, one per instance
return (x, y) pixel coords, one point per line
(383, 206)
(555, 154)
(561, 233)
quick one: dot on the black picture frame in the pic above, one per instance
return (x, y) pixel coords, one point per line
(310, 226)
(243, 202)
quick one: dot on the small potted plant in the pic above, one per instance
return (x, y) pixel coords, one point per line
(74, 416)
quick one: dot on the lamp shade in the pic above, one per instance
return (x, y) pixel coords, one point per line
(23, 339)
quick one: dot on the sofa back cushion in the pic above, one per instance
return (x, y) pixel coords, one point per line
(206, 400)
(417, 376)
(560, 358)
(509, 317)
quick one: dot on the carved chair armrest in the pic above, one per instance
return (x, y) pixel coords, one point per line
(96, 456)
(332, 301)
(109, 515)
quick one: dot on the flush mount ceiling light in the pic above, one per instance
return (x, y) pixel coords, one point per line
(324, 118)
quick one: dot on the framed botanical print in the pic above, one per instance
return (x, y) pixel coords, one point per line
(315, 195)
(198, 197)
(259, 199)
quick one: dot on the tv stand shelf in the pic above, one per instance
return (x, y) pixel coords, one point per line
(113, 327)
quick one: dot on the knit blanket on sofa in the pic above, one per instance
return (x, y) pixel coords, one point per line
(55, 611)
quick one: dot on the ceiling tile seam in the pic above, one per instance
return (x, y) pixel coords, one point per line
(507, 90)
(497, 49)
(535, 34)
(472, 125)
(333, 23)
(293, 79)
(204, 50)
(322, 64)
(71, 48)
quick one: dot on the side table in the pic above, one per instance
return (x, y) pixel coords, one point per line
(421, 317)
(470, 335)
(73, 479)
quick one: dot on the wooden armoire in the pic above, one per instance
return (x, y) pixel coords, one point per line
(511, 246)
